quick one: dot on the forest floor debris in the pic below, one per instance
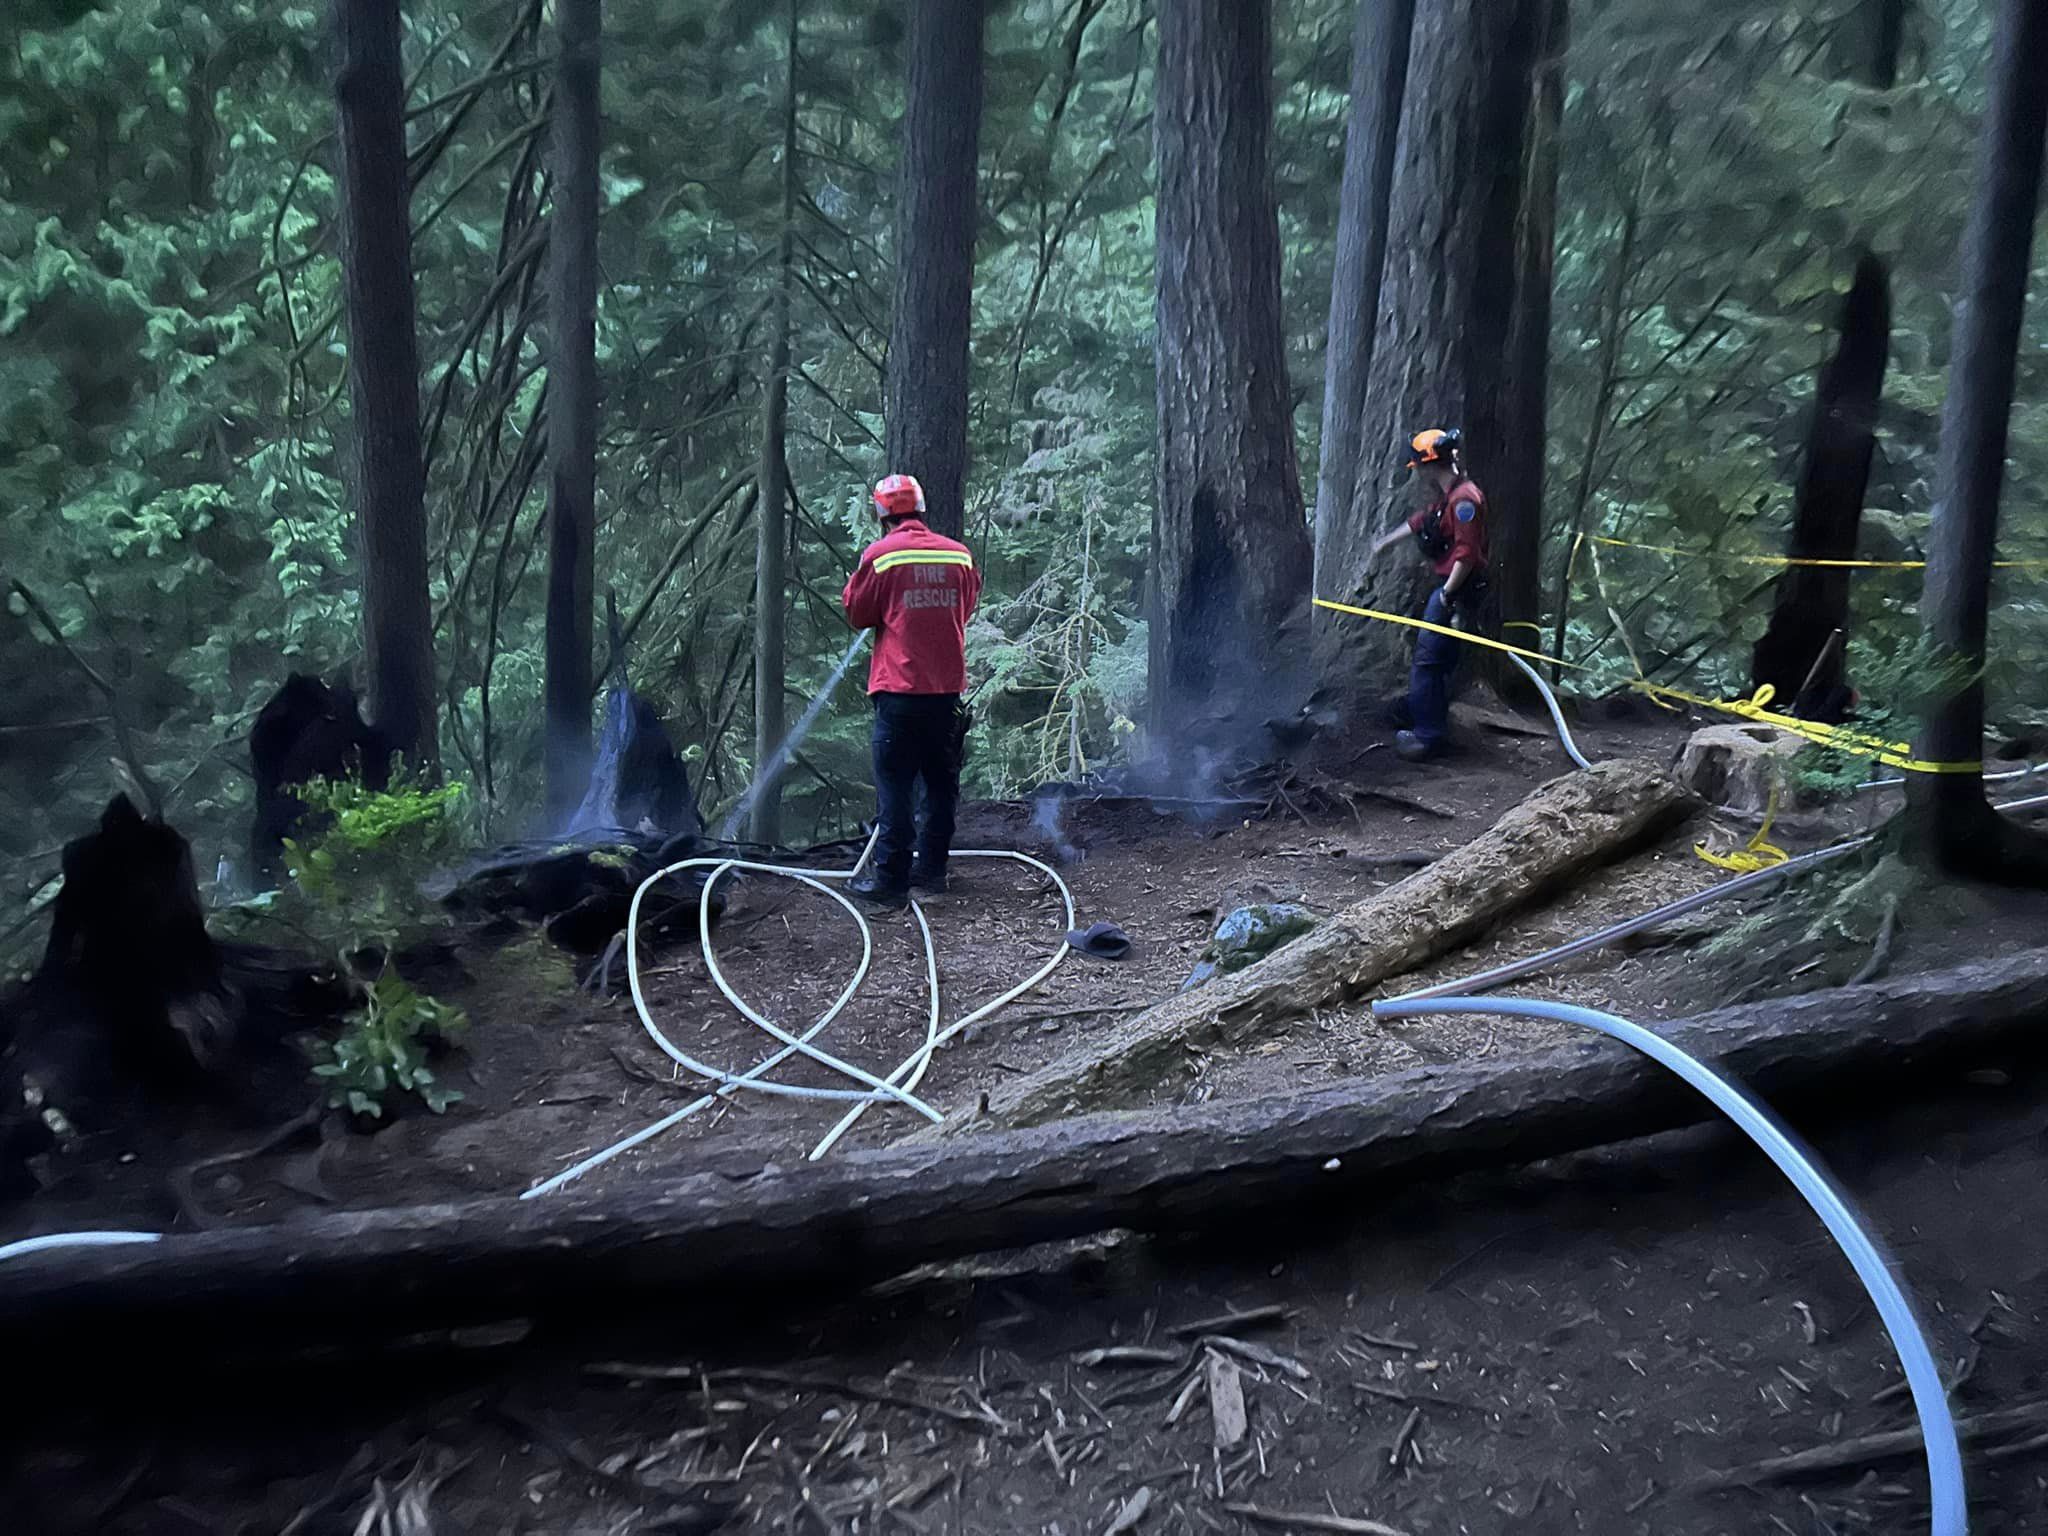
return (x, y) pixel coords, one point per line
(1585, 1340)
(1609, 1353)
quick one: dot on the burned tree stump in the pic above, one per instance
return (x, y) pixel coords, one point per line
(307, 731)
(129, 932)
(579, 892)
(131, 994)
(637, 783)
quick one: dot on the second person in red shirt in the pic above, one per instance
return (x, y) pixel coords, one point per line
(1451, 531)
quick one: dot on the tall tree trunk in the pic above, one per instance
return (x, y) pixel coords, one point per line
(1379, 76)
(1799, 655)
(1949, 820)
(572, 406)
(1613, 331)
(1515, 592)
(1447, 319)
(383, 371)
(1231, 554)
(770, 528)
(1884, 23)
(202, 134)
(925, 398)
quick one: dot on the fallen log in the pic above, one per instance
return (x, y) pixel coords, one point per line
(818, 1229)
(1865, 1451)
(1568, 825)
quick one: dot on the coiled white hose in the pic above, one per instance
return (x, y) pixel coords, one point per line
(799, 1043)
(899, 1085)
(1950, 1516)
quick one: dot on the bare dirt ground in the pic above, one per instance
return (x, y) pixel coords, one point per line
(1583, 1341)
(553, 1073)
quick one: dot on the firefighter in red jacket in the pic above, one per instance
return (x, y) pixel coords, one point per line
(1451, 531)
(916, 590)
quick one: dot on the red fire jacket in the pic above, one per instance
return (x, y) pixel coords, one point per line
(916, 589)
(1454, 529)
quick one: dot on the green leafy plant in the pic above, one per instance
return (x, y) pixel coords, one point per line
(356, 893)
(386, 1047)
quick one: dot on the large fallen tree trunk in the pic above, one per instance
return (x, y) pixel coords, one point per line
(1568, 825)
(821, 1228)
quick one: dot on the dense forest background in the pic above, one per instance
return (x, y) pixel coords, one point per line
(173, 401)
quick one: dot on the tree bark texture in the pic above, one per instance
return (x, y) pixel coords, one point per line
(388, 474)
(1950, 817)
(572, 406)
(1827, 509)
(1444, 350)
(937, 206)
(1515, 591)
(1231, 553)
(771, 530)
(1885, 23)
(817, 1231)
(1569, 825)
(1379, 76)
(1866, 42)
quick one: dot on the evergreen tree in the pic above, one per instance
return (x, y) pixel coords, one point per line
(384, 384)
(1949, 817)
(572, 405)
(1230, 546)
(1446, 329)
(936, 213)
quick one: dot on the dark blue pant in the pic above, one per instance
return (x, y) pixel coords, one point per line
(917, 742)
(1430, 675)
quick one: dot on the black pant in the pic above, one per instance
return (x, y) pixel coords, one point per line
(918, 739)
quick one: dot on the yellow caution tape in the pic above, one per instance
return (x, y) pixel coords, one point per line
(1757, 854)
(1893, 754)
(1445, 629)
(1782, 561)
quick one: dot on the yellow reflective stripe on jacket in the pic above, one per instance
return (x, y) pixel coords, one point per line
(924, 557)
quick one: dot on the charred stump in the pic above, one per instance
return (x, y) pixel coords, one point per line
(580, 892)
(1801, 654)
(129, 932)
(637, 782)
(131, 993)
(136, 1008)
(307, 731)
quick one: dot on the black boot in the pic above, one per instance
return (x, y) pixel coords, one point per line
(876, 891)
(928, 879)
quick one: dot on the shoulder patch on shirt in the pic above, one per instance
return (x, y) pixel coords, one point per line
(1466, 510)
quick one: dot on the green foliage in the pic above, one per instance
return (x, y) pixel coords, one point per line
(355, 882)
(385, 1048)
(1894, 690)
(173, 414)
(355, 892)
(1751, 165)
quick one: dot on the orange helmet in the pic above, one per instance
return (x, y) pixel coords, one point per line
(1437, 445)
(900, 496)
